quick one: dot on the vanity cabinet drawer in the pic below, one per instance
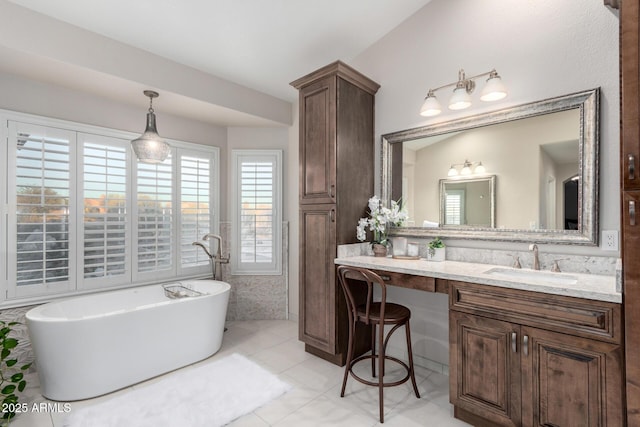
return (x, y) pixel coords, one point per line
(576, 316)
(410, 281)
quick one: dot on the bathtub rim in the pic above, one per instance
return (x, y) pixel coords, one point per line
(35, 313)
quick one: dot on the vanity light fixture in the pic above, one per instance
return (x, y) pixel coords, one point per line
(468, 168)
(150, 147)
(493, 90)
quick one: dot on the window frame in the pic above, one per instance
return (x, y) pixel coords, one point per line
(275, 156)
(10, 295)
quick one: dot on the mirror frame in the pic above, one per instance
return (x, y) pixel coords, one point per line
(589, 104)
(491, 179)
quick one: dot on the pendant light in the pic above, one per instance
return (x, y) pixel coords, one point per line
(150, 147)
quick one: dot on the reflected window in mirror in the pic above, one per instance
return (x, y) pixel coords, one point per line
(468, 202)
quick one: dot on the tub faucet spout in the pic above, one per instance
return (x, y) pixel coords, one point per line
(204, 247)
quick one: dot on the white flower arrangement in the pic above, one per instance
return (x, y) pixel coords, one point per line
(380, 217)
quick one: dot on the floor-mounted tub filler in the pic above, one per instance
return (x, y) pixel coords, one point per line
(91, 345)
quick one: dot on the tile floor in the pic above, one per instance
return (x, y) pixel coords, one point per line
(315, 397)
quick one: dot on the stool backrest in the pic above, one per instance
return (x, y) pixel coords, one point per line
(371, 279)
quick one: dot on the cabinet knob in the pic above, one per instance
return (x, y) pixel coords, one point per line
(632, 212)
(631, 166)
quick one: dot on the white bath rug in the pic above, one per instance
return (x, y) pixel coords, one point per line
(206, 396)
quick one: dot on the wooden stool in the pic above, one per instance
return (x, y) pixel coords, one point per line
(372, 313)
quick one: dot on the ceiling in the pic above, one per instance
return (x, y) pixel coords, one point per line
(259, 44)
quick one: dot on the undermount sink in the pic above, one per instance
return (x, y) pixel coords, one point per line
(535, 275)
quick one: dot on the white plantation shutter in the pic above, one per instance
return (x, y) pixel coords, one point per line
(40, 188)
(257, 225)
(155, 216)
(454, 206)
(106, 228)
(196, 206)
(81, 213)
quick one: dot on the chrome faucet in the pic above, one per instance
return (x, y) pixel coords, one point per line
(536, 260)
(219, 239)
(214, 260)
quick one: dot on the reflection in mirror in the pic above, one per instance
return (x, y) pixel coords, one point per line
(468, 202)
(544, 155)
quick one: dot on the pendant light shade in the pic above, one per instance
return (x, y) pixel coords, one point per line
(494, 89)
(150, 147)
(431, 106)
(460, 99)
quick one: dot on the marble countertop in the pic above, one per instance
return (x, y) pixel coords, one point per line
(590, 286)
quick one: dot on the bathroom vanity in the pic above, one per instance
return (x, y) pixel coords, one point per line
(526, 348)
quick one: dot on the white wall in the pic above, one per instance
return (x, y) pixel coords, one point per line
(48, 100)
(542, 49)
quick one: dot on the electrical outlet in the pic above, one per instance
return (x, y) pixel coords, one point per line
(610, 240)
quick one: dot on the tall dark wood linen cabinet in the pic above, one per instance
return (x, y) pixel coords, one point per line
(630, 197)
(336, 181)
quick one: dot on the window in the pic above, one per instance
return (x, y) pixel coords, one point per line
(83, 214)
(257, 212)
(41, 168)
(106, 210)
(454, 207)
(155, 216)
(196, 206)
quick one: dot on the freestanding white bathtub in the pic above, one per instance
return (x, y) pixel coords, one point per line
(91, 345)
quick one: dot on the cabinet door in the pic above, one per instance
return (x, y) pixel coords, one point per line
(630, 171)
(630, 92)
(485, 368)
(569, 381)
(317, 321)
(318, 142)
(631, 292)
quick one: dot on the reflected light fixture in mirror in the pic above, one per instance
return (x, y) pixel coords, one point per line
(493, 90)
(150, 147)
(468, 168)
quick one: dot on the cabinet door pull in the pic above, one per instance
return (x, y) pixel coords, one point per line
(632, 166)
(514, 345)
(632, 212)
(332, 191)
(332, 215)
(385, 278)
(525, 345)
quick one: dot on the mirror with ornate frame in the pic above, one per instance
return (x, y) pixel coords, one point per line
(468, 202)
(532, 153)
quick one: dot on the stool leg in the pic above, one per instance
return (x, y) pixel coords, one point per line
(373, 350)
(381, 359)
(347, 367)
(413, 376)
